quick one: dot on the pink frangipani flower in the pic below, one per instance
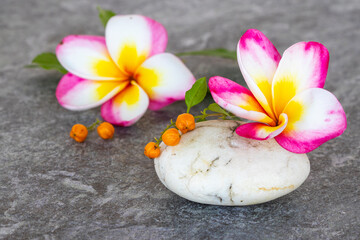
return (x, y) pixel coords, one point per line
(126, 71)
(286, 98)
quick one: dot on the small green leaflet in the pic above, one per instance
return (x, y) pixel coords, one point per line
(219, 52)
(47, 61)
(196, 94)
(105, 15)
(214, 107)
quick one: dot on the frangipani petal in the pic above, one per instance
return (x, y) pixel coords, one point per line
(75, 93)
(131, 39)
(237, 99)
(88, 57)
(127, 107)
(165, 79)
(258, 60)
(315, 116)
(304, 65)
(261, 131)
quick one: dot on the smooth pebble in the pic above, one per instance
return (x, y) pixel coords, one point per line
(213, 165)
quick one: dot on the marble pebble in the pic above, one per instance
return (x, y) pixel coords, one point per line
(213, 165)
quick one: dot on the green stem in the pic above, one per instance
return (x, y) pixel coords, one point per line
(219, 52)
(209, 115)
(93, 125)
(158, 140)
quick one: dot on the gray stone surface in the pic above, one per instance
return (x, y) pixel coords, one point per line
(53, 188)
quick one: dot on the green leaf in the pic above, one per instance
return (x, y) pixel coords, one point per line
(214, 107)
(105, 15)
(47, 61)
(196, 94)
(219, 52)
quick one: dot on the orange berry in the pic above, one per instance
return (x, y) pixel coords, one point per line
(106, 130)
(79, 132)
(185, 122)
(152, 150)
(171, 137)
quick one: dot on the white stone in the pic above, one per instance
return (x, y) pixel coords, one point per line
(213, 165)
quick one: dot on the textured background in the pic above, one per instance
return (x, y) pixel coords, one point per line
(54, 188)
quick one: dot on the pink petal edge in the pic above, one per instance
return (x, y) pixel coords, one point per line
(77, 94)
(261, 131)
(325, 120)
(108, 115)
(119, 113)
(159, 36)
(224, 91)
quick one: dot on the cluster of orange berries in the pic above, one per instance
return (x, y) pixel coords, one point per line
(79, 132)
(185, 122)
